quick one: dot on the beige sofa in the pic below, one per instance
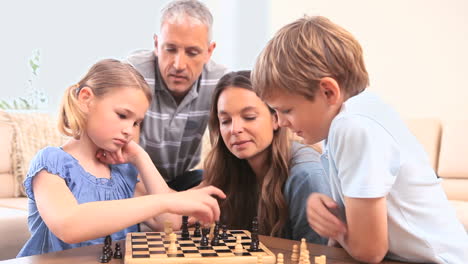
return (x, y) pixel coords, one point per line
(21, 135)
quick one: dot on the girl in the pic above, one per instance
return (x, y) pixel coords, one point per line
(82, 191)
(255, 164)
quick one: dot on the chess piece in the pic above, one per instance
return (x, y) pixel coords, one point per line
(254, 243)
(280, 259)
(197, 232)
(204, 240)
(185, 232)
(239, 249)
(168, 227)
(306, 257)
(108, 241)
(322, 259)
(210, 235)
(104, 258)
(215, 240)
(303, 245)
(172, 246)
(224, 235)
(260, 259)
(118, 251)
(295, 254)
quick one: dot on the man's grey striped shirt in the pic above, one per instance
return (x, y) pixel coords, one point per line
(172, 134)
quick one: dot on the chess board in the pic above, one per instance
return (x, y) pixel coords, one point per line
(151, 248)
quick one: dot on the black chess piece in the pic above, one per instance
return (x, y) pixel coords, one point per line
(215, 240)
(118, 251)
(204, 240)
(185, 232)
(104, 258)
(254, 243)
(224, 235)
(197, 233)
(108, 240)
(109, 252)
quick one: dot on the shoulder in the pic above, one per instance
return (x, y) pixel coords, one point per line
(142, 59)
(306, 166)
(213, 70)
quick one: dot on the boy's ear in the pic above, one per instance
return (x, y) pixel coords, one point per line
(275, 121)
(85, 97)
(330, 89)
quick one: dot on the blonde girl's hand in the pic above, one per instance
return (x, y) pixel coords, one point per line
(321, 217)
(199, 203)
(127, 154)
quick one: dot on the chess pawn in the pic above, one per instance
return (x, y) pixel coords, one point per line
(204, 240)
(172, 246)
(295, 254)
(280, 259)
(239, 249)
(224, 235)
(118, 251)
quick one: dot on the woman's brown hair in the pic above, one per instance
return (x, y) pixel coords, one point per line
(103, 77)
(247, 198)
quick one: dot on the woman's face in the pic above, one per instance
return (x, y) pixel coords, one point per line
(245, 122)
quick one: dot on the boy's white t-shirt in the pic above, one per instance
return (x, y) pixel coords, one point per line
(370, 153)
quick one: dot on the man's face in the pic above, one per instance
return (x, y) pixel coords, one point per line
(182, 50)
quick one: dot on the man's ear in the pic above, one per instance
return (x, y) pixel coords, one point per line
(211, 47)
(85, 98)
(330, 89)
(155, 39)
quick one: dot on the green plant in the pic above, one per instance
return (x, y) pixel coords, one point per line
(36, 97)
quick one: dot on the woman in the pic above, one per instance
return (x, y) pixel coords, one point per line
(254, 162)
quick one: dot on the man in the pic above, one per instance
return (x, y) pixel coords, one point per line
(182, 78)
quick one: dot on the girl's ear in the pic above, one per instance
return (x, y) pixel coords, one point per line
(85, 98)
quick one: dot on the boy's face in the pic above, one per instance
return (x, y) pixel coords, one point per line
(309, 119)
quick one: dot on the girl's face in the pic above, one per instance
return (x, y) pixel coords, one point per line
(245, 122)
(115, 118)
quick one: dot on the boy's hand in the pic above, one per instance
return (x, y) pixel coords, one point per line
(200, 203)
(321, 218)
(127, 154)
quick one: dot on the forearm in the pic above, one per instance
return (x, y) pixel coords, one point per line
(107, 217)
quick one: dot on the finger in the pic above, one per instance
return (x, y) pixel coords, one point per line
(215, 191)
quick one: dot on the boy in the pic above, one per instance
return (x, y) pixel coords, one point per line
(387, 200)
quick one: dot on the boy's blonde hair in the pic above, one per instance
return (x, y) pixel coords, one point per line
(105, 76)
(303, 52)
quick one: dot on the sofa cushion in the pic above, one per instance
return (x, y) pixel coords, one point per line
(428, 132)
(453, 160)
(20, 203)
(32, 131)
(461, 207)
(14, 230)
(7, 181)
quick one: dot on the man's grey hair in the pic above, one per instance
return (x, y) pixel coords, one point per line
(178, 10)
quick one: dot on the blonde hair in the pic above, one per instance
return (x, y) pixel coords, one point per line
(235, 176)
(105, 76)
(305, 51)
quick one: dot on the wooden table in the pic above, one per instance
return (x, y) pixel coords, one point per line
(90, 254)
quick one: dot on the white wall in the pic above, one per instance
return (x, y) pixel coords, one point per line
(416, 51)
(72, 35)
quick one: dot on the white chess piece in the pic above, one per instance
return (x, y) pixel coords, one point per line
(239, 249)
(280, 259)
(172, 246)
